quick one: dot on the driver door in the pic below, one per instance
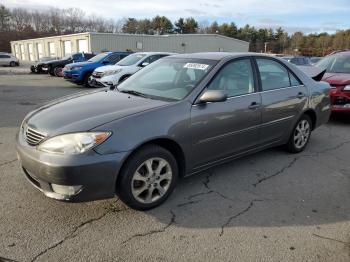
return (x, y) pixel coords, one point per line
(222, 129)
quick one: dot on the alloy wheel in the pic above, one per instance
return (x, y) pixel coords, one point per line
(151, 180)
(302, 133)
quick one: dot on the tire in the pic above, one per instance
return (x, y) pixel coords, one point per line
(86, 80)
(12, 64)
(123, 78)
(51, 71)
(58, 71)
(302, 129)
(140, 190)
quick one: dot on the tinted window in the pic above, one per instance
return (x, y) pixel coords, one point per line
(235, 78)
(272, 74)
(5, 56)
(113, 58)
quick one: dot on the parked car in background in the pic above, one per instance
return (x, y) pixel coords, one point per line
(55, 67)
(37, 66)
(338, 76)
(80, 72)
(112, 75)
(314, 59)
(7, 59)
(178, 116)
(298, 60)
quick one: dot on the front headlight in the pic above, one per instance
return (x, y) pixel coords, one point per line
(113, 72)
(76, 68)
(75, 143)
(347, 88)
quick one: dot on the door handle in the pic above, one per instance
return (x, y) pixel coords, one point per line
(300, 95)
(254, 105)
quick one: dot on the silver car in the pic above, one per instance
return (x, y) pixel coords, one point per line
(176, 117)
(7, 59)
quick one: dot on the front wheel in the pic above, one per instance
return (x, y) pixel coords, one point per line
(51, 71)
(148, 178)
(86, 80)
(300, 136)
(12, 64)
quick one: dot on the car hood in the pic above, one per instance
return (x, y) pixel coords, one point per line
(107, 68)
(85, 111)
(337, 78)
(79, 64)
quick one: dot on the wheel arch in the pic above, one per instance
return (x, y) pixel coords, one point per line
(169, 144)
(312, 114)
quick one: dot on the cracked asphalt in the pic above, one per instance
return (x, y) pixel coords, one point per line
(270, 206)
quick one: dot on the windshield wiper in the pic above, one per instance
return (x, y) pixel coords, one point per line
(133, 92)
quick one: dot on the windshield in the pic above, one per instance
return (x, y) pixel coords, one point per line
(131, 59)
(335, 64)
(168, 79)
(98, 57)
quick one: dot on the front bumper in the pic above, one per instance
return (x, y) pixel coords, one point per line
(95, 175)
(96, 82)
(72, 75)
(340, 100)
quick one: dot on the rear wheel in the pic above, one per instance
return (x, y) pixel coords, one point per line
(300, 136)
(148, 178)
(58, 71)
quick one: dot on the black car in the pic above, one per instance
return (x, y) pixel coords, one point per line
(55, 67)
(37, 66)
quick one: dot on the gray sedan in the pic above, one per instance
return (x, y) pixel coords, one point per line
(177, 117)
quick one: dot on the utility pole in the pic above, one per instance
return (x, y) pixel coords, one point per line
(266, 46)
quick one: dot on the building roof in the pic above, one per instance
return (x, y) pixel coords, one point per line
(137, 35)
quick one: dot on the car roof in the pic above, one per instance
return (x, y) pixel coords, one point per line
(156, 53)
(219, 55)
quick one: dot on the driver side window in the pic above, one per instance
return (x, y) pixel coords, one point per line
(235, 78)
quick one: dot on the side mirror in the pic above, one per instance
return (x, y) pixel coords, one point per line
(105, 62)
(144, 64)
(213, 96)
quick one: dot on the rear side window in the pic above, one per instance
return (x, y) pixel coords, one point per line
(273, 75)
(5, 56)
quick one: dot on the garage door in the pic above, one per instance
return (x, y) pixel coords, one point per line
(17, 54)
(23, 55)
(82, 45)
(67, 47)
(30, 51)
(39, 49)
(52, 50)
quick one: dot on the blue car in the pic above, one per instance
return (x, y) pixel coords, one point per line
(79, 73)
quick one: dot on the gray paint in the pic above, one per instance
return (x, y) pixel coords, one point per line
(208, 134)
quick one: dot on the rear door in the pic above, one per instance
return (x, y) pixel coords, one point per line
(223, 129)
(283, 98)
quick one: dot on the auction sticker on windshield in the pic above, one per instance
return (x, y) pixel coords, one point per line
(196, 66)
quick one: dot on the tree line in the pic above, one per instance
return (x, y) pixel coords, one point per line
(20, 23)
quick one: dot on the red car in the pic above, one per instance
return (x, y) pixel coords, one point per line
(338, 76)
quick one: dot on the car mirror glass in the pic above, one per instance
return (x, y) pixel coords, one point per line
(144, 64)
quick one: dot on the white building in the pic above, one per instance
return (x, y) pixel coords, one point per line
(59, 46)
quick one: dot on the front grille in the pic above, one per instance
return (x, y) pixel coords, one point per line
(97, 74)
(33, 137)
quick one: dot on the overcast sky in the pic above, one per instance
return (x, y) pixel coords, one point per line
(294, 15)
